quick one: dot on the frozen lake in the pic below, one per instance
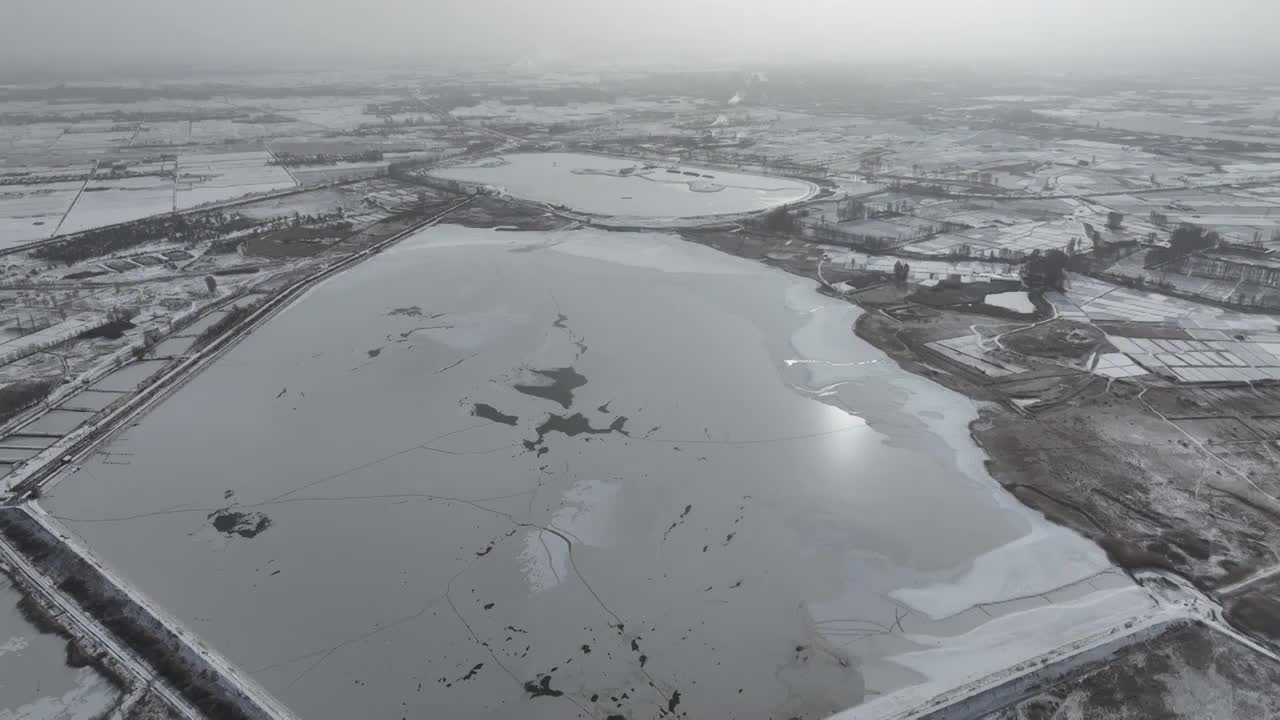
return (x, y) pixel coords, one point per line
(619, 187)
(35, 681)
(537, 475)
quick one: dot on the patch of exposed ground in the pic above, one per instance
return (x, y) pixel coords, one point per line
(1058, 339)
(1191, 673)
(1104, 463)
(1256, 610)
(487, 212)
(292, 242)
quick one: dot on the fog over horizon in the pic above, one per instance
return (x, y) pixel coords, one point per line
(123, 36)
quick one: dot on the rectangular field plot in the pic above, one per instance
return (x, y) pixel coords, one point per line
(209, 178)
(1004, 242)
(107, 202)
(32, 212)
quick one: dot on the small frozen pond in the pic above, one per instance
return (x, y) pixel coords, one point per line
(601, 185)
(1016, 301)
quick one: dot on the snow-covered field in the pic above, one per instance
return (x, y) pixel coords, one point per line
(107, 202)
(208, 178)
(37, 211)
(31, 212)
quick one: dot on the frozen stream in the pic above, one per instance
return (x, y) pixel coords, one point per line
(580, 474)
(620, 187)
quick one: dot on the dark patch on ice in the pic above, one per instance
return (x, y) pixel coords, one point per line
(643, 659)
(604, 408)
(678, 522)
(226, 494)
(283, 390)
(635, 644)
(563, 382)
(489, 412)
(405, 335)
(411, 311)
(572, 425)
(374, 352)
(586, 649)
(471, 673)
(736, 585)
(729, 538)
(489, 606)
(542, 688)
(515, 629)
(561, 319)
(244, 524)
(674, 702)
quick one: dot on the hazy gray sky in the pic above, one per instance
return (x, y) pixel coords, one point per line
(101, 33)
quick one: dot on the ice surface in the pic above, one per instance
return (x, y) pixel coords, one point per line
(619, 187)
(585, 517)
(1015, 301)
(1047, 558)
(649, 250)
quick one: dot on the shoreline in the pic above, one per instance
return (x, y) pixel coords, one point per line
(997, 412)
(998, 432)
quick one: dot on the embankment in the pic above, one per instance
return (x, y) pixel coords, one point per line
(200, 677)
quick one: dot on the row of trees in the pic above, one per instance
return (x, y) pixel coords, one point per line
(187, 229)
(854, 209)
(292, 160)
(1185, 239)
(1045, 270)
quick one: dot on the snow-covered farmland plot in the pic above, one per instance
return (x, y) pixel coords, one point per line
(208, 178)
(110, 201)
(32, 140)
(90, 142)
(31, 212)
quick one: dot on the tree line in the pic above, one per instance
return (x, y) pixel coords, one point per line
(186, 229)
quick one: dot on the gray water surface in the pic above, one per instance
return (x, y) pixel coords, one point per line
(575, 474)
